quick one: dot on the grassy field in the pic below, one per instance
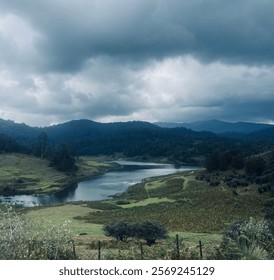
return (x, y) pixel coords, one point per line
(187, 207)
(28, 174)
(61, 213)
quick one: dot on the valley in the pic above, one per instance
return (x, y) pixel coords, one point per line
(217, 183)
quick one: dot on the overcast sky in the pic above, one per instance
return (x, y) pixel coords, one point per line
(150, 60)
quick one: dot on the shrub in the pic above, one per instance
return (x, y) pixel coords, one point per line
(246, 239)
(22, 239)
(147, 230)
(150, 231)
(121, 230)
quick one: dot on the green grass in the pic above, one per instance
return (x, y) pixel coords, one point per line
(147, 201)
(194, 237)
(59, 214)
(180, 203)
(28, 174)
(195, 206)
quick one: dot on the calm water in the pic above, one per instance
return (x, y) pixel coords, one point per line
(100, 187)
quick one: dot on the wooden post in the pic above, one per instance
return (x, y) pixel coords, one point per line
(99, 250)
(201, 249)
(177, 247)
(142, 251)
(73, 248)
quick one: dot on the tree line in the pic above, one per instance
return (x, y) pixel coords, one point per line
(60, 157)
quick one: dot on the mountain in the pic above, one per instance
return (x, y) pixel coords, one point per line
(141, 139)
(18, 131)
(219, 127)
(86, 137)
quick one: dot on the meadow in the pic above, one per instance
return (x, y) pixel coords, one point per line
(26, 174)
(187, 207)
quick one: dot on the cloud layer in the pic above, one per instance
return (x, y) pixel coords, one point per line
(148, 60)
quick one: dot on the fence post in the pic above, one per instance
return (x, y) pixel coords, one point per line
(141, 250)
(99, 250)
(73, 248)
(177, 247)
(201, 249)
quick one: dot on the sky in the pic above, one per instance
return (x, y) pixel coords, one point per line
(149, 60)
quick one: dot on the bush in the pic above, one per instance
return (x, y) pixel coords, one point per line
(121, 230)
(21, 239)
(147, 230)
(150, 231)
(247, 240)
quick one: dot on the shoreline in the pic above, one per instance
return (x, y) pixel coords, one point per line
(102, 167)
(72, 179)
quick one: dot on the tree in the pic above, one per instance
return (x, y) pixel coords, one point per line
(62, 160)
(147, 230)
(150, 231)
(212, 161)
(41, 144)
(121, 230)
(255, 166)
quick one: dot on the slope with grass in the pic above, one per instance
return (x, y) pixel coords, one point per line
(182, 203)
(25, 174)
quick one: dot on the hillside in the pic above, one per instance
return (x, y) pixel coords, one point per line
(219, 127)
(85, 137)
(25, 174)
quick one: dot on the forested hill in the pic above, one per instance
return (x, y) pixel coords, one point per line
(220, 127)
(85, 137)
(135, 138)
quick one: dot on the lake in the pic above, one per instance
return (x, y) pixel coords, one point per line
(101, 187)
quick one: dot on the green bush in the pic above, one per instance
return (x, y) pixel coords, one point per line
(149, 231)
(249, 239)
(21, 239)
(121, 230)
(146, 230)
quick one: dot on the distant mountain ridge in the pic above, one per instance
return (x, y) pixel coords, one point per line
(218, 127)
(86, 137)
(72, 129)
(140, 139)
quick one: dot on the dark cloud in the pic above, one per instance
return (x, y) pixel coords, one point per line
(153, 60)
(229, 31)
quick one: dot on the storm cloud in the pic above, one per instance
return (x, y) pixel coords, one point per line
(121, 60)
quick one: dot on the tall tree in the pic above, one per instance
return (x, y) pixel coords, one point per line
(62, 160)
(41, 144)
